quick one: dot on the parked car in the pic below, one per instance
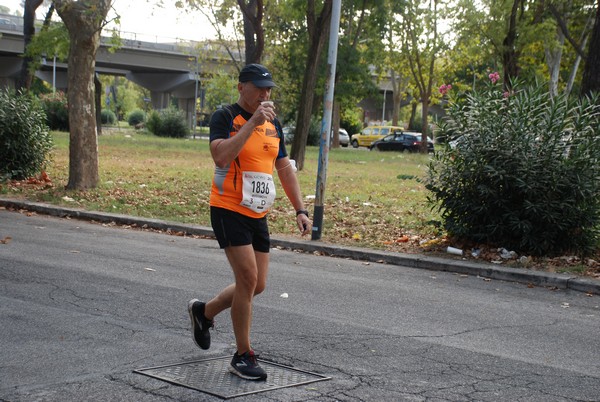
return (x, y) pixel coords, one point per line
(401, 141)
(344, 138)
(371, 134)
(288, 135)
(455, 142)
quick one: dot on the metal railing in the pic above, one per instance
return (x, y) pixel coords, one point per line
(133, 40)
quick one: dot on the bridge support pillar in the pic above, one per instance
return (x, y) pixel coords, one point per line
(160, 100)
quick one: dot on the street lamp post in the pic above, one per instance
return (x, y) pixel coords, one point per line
(54, 76)
(383, 110)
(326, 125)
(195, 117)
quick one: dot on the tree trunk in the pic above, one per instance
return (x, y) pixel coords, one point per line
(413, 116)
(84, 22)
(254, 36)
(397, 99)
(424, 122)
(509, 53)
(591, 73)
(83, 150)
(553, 59)
(25, 76)
(394, 92)
(318, 32)
(399, 90)
(98, 102)
(583, 42)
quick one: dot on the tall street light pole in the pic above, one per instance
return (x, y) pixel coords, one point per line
(326, 124)
(195, 115)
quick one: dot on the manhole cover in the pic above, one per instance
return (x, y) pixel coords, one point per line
(212, 376)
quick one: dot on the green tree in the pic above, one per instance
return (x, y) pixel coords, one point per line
(121, 96)
(363, 25)
(221, 89)
(531, 39)
(26, 75)
(224, 13)
(421, 44)
(48, 42)
(396, 67)
(317, 26)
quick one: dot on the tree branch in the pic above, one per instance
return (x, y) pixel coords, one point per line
(565, 31)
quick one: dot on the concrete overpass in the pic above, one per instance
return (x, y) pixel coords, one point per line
(168, 70)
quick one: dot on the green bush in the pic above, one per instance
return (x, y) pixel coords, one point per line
(524, 172)
(25, 140)
(168, 123)
(153, 122)
(351, 121)
(136, 117)
(107, 116)
(56, 110)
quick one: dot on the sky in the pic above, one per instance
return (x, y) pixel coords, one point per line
(147, 21)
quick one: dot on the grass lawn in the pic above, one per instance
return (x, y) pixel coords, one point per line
(371, 199)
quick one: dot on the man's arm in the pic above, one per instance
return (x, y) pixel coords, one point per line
(290, 185)
(225, 150)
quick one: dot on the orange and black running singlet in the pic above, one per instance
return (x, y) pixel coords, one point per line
(246, 186)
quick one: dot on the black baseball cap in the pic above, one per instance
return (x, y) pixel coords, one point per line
(258, 75)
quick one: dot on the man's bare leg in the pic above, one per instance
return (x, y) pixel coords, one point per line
(250, 269)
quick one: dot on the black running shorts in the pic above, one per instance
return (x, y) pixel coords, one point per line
(234, 229)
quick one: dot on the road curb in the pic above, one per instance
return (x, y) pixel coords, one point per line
(479, 269)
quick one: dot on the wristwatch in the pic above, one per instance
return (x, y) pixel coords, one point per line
(302, 211)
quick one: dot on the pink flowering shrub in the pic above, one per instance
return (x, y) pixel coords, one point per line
(445, 88)
(523, 171)
(494, 77)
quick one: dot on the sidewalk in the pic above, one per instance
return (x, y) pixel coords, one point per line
(451, 264)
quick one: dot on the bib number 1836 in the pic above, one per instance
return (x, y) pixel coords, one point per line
(258, 191)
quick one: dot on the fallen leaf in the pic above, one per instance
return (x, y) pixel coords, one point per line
(6, 240)
(45, 177)
(402, 239)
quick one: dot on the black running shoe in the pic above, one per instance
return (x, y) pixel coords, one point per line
(247, 367)
(200, 324)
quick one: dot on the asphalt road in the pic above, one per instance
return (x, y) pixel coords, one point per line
(82, 305)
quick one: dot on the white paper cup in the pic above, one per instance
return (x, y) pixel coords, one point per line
(267, 103)
(453, 250)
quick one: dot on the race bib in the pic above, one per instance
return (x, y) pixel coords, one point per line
(258, 191)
